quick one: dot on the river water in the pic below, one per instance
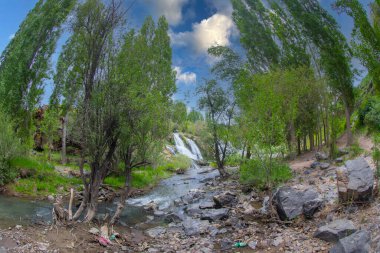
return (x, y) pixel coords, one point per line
(20, 211)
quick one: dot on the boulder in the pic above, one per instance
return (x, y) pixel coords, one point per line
(358, 242)
(320, 156)
(355, 181)
(225, 199)
(193, 209)
(172, 217)
(192, 196)
(214, 214)
(324, 166)
(335, 230)
(291, 203)
(195, 226)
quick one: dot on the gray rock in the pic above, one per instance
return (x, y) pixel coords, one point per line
(192, 196)
(291, 203)
(315, 165)
(277, 241)
(124, 248)
(335, 230)
(3, 250)
(358, 242)
(324, 166)
(225, 199)
(208, 204)
(51, 198)
(339, 160)
(252, 244)
(193, 210)
(214, 214)
(226, 244)
(94, 231)
(172, 217)
(355, 181)
(195, 226)
(321, 156)
(159, 213)
(342, 151)
(155, 232)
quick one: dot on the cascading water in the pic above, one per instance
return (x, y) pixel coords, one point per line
(182, 149)
(194, 149)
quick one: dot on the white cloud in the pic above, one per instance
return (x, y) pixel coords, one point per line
(185, 77)
(172, 9)
(216, 30)
(11, 36)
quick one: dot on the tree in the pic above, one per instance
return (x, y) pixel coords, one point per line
(179, 113)
(220, 110)
(366, 35)
(194, 116)
(49, 127)
(25, 62)
(322, 29)
(90, 54)
(146, 88)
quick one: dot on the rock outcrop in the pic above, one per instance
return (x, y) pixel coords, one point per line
(355, 181)
(291, 203)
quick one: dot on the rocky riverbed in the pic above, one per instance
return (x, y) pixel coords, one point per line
(222, 216)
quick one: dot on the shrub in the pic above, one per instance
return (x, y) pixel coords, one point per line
(369, 113)
(10, 147)
(253, 173)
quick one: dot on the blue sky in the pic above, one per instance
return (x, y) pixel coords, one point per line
(195, 25)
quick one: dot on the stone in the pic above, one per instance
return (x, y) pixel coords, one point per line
(18, 226)
(124, 248)
(335, 230)
(355, 181)
(339, 160)
(290, 203)
(252, 244)
(226, 244)
(320, 156)
(195, 226)
(277, 241)
(342, 151)
(225, 199)
(3, 250)
(193, 210)
(208, 204)
(51, 198)
(315, 165)
(155, 232)
(94, 231)
(324, 166)
(172, 217)
(192, 196)
(214, 214)
(358, 242)
(159, 213)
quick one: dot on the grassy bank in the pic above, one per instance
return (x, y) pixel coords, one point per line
(39, 178)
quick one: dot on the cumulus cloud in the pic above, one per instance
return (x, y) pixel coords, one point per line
(11, 36)
(185, 77)
(215, 30)
(171, 9)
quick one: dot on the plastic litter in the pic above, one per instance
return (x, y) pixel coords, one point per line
(104, 241)
(112, 237)
(240, 244)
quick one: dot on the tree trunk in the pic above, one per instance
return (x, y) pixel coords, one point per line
(298, 145)
(311, 140)
(304, 144)
(124, 194)
(348, 125)
(293, 139)
(64, 136)
(249, 154)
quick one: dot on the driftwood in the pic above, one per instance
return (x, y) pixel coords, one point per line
(61, 216)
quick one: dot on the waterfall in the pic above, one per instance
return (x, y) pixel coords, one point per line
(194, 149)
(182, 149)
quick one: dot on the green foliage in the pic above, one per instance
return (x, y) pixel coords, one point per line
(372, 115)
(376, 152)
(176, 162)
(253, 173)
(26, 60)
(10, 147)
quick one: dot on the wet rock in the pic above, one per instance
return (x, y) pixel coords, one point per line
(208, 204)
(320, 156)
(151, 206)
(195, 226)
(225, 199)
(355, 181)
(358, 242)
(193, 210)
(339, 160)
(159, 213)
(192, 196)
(51, 198)
(155, 232)
(335, 230)
(172, 217)
(214, 214)
(291, 203)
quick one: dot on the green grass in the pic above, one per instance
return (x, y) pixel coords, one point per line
(180, 162)
(44, 180)
(141, 177)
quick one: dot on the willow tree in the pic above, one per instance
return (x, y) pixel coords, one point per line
(25, 62)
(322, 29)
(146, 83)
(87, 59)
